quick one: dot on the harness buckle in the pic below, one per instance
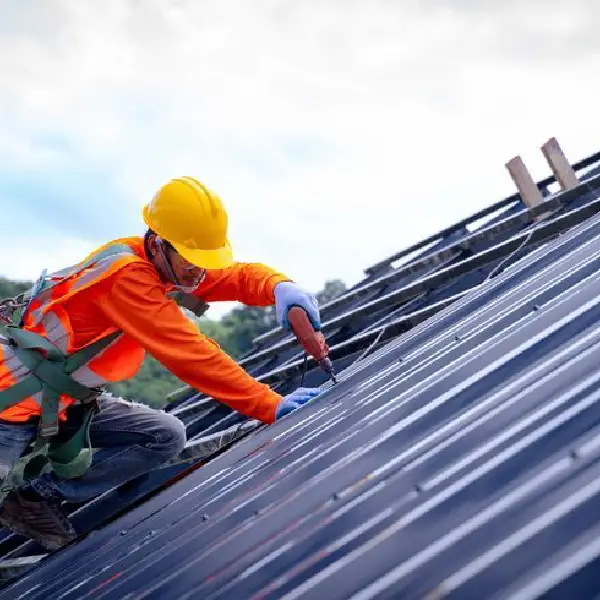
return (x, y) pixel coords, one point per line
(49, 428)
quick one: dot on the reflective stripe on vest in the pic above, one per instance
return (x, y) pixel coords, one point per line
(47, 317)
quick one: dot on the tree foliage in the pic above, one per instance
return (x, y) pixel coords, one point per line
(9, 288)
(234, 333)
(332, 289)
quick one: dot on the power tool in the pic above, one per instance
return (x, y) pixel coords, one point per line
(312, 341)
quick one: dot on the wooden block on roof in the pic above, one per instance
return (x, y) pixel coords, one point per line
(528, 189)
(561, 168)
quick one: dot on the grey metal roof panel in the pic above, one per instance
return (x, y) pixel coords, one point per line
(458, 458)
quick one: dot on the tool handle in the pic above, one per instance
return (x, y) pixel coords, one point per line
(312, 341)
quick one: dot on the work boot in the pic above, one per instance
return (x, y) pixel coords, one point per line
(38, 518)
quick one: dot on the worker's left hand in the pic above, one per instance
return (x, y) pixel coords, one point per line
(295, 400)
(288, 294)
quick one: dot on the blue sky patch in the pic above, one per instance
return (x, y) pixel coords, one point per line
(73, 201)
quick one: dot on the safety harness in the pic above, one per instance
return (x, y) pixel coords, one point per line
(51, 370)
(51, 375)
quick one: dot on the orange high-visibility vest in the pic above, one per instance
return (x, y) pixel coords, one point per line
(47, 316)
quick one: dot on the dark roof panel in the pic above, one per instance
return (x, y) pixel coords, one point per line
(458, 457)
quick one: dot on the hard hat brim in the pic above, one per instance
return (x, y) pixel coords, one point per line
(219, 258)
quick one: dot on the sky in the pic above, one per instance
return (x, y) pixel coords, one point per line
(336, 132)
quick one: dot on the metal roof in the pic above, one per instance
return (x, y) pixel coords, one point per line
(458, 456)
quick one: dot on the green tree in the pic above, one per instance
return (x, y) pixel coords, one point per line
(245, 323)
(151, 385)
(332, 289)
(9, 288)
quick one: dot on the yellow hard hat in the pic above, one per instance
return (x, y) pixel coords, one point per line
(193, 220)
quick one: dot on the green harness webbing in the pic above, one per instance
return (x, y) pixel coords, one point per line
(51, 375)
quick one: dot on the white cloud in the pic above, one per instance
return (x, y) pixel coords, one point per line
(410, 110)
(28, 256)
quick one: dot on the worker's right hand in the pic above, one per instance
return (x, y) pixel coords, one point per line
(295, 400)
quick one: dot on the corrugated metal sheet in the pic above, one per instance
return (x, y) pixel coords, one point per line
(459, 459)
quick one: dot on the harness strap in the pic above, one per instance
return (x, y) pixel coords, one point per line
(28, 340)
(28, 467)
(50, 374)
(73, 457)
(18, 392)
(84, 355)
(68, 460)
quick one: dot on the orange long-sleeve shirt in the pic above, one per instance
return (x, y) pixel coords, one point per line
(249, 283)
(134, 300)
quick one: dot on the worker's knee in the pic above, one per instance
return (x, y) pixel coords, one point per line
(124, 422)
(170, 435)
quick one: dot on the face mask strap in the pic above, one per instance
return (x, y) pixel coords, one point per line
(164, 259)
(162, 251)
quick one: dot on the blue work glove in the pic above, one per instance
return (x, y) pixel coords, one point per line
(295, 400)
(288, 294)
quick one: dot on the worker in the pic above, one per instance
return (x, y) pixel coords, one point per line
(103, 314)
